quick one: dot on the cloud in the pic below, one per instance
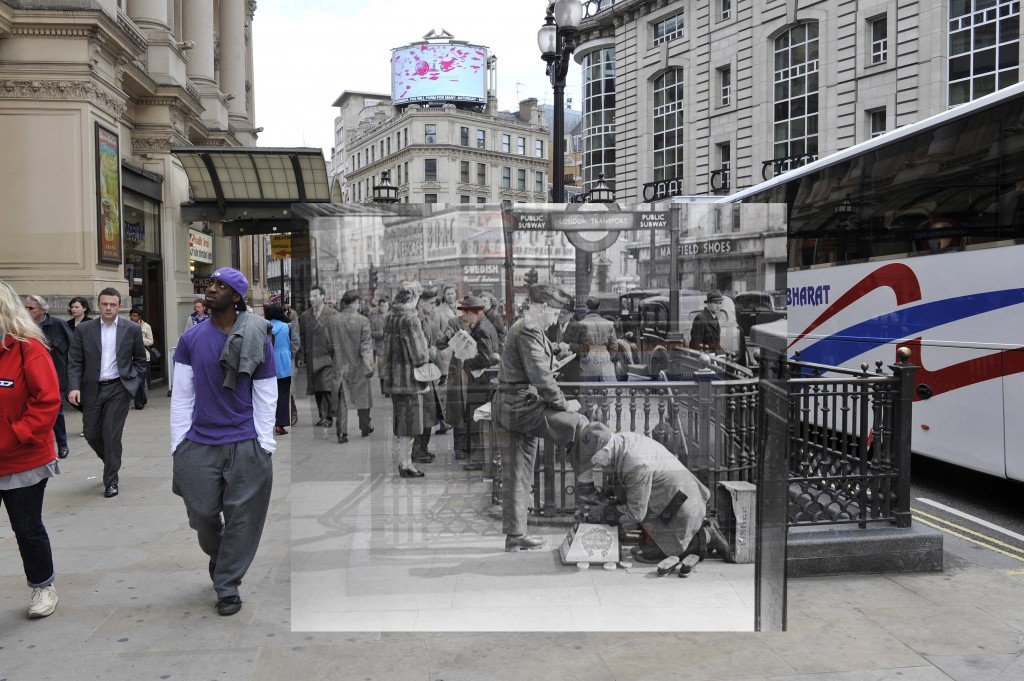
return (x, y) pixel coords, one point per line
(306, 54)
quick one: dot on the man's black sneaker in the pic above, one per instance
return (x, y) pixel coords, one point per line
(229, 605)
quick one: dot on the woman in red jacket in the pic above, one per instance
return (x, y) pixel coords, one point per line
(29, 402)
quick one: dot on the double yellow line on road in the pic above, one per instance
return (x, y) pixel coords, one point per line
(961, 532)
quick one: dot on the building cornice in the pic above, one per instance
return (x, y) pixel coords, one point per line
(388, 125)
(115, 38)
(455, 152)
(81, 90)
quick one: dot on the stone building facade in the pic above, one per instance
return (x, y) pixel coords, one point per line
(446, 154)
(720, 95)
(98, 89)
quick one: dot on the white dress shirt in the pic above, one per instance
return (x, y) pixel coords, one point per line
(108, 350)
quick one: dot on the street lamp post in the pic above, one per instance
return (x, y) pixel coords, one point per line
(557, 41)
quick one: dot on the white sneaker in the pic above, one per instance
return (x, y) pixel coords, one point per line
(44, 602)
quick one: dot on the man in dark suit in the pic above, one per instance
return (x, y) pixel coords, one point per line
(106, 366)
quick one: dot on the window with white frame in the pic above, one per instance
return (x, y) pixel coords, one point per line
(521, 179)
(538, 181)
(521, 146)
(464, 199)
(506, 178)
(876, 121)
(795, 130)
(598, 117)
(538, 148)
(725, 86)
(430, 170)
(668, 125)
(464, 172)
(879, 40)
(464, 136)
(506, 143)
(481, 199)
(724, 9)
(430, 133)
(984, 47)
(481, 173)
(481, 139)
(430, 198)
(669, 29)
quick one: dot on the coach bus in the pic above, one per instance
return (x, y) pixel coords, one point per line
(916, 238)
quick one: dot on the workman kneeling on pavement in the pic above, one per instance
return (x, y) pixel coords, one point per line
(656, 493)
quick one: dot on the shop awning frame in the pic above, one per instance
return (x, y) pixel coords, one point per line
(254, 187)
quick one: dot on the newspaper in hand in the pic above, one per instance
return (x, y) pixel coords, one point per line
(463, 345)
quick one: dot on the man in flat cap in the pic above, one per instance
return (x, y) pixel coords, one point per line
(653, 490)
(348, 332)
(706, 331)
(529, 404)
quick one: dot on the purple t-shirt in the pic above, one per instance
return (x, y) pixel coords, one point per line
(220, 416)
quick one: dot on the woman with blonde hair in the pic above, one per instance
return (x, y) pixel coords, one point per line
(28, 456)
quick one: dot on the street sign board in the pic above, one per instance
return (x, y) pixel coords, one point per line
(280, 246)
(589, 221)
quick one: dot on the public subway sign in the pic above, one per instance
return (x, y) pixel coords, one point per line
(200, 246)
(597, 221)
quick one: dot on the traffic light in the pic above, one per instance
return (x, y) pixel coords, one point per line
(374, 276)
(531, 277)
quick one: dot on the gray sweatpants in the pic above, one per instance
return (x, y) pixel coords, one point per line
(229, 480)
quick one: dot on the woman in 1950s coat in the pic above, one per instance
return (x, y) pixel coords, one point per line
(405, 348)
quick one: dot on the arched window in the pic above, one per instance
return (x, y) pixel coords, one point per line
(599, 117)
(984, 47)
(796, 95)
(668, 125)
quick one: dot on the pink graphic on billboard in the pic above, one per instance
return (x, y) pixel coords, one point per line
(439, 72)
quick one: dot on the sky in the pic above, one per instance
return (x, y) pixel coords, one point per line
(307, 52)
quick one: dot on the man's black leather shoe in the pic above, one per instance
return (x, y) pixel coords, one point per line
(63, 452)
(229, 605)
(110, 491)
(367, 431)
(342, 439)
(523, 542)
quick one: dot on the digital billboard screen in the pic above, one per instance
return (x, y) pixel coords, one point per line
(447, 72)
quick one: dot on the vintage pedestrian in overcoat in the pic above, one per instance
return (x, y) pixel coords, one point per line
(316, 349)
(349, 335)
(597, 343)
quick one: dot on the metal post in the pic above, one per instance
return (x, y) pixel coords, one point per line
(506, 229)
(675, 223)
(704, 458)
(904, 424)
(558, 132)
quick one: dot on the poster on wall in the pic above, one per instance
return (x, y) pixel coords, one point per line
(108, 196)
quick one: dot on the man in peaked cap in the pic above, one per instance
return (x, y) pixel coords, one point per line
(530, 405)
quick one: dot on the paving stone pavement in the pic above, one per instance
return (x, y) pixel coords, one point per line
(136, 602)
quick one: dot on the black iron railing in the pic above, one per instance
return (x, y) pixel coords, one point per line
(849, 443)
(785, 163)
